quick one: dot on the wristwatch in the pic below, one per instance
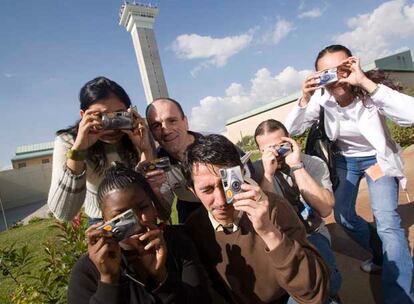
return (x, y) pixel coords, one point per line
(77, 155)
(296, 167)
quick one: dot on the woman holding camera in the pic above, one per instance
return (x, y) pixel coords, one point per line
(151, 266)
(83, 152)
(355, 109)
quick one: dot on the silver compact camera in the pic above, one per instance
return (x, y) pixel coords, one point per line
(162, 163)
(232, 179)
(328, 76)
(122, 226)
(117, 121)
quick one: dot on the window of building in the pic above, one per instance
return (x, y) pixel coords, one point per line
(45, 161)
(21, 165)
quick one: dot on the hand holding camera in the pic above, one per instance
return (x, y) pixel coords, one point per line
(292, 158)
(138, 130)
(105, 253)
(153, 252)
(254, 202)
(89, 131)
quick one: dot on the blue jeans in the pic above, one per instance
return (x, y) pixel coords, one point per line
(324, 247)
(397, 265)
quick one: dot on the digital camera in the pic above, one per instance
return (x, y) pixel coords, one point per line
(162, 163)
(122, 226)
(282, 150)
(232, 179)
(328, 76)
(117, 121)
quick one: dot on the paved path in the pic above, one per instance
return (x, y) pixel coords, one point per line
(359, 287)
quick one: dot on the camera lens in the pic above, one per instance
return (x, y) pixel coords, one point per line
(236, 186)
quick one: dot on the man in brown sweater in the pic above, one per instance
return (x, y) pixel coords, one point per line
(255, 249)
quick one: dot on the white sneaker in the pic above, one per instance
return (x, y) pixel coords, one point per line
(368, 266)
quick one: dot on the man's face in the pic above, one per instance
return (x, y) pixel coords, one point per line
(208, 188)
(270, 140)
(168, 126)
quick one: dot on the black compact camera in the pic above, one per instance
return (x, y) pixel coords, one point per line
(122, 226)
(162, 163)
(117, 121)
(232, 179)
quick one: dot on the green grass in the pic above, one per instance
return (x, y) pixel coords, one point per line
(33, 235)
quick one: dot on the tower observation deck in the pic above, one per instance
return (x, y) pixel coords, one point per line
(139, 20)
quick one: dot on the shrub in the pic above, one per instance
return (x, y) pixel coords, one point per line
(49, 284)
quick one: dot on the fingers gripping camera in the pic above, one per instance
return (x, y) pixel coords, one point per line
(122, 226)
(232, 179)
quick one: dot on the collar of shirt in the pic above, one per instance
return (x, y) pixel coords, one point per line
(219, 227)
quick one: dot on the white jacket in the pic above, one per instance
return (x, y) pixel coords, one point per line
(370, 121)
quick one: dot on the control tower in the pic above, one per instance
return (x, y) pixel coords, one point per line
(139, 20)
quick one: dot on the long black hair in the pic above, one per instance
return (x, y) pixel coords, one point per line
(377, 76)
(93, 91)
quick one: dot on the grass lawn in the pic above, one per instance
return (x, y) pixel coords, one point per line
(33, 235)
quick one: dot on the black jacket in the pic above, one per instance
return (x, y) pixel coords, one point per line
(186, 281)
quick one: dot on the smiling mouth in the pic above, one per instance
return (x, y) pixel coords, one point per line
(169, 138)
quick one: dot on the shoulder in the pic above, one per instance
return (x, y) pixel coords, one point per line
(312, 161)
(257, 171)
(64, 139)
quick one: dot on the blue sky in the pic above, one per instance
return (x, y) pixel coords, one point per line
(220, 58)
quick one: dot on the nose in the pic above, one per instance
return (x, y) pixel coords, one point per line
(219, 197)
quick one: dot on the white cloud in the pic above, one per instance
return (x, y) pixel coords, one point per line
(374, 34)
(280, 30)
(7, 75)
(213, 111)
(313, 13)
(216, 50)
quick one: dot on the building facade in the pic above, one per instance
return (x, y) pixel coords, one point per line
(30, 155)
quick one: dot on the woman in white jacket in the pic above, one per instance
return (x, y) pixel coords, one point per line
(355, 109)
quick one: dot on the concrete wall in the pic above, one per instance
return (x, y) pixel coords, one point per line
(247, 126)
(31, 161)
(24, 186)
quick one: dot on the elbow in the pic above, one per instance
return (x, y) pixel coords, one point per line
(329, 204)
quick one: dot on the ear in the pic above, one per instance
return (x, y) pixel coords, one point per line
(191, 188)
(186, 122)
(81, 112)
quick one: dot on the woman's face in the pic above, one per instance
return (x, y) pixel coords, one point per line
(120, 200)
(108, 105)
(333, 60)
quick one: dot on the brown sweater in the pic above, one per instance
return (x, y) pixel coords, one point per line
(245, 271)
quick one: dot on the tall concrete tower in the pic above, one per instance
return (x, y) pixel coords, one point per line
(139, 20)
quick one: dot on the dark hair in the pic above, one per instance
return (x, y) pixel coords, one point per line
(175, 102)
(212, 149)
(92, 92)
(332, 49)
(377, 76)
(268, 126)
(118, 177)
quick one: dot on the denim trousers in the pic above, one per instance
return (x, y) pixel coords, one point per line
(397, 265)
